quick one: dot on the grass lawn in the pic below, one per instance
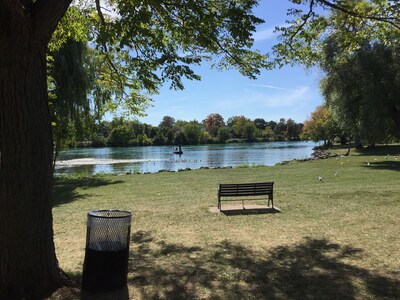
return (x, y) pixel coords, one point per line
(333, 239)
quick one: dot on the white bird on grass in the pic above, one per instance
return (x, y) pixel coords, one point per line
(320, 178)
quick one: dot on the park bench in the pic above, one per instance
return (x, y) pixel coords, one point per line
(240, 190)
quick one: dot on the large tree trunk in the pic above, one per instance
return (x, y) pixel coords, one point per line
(28, 264)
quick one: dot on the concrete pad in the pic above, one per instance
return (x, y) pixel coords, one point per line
(246, 209)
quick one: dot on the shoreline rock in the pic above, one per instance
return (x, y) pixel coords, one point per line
(322, 154)
(319, 153)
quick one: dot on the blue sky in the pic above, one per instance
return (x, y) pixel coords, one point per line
(290, 92)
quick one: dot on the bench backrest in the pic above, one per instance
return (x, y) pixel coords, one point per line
(246, 189)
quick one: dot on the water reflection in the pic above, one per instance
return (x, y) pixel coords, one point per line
(214, 156)
(153, 159)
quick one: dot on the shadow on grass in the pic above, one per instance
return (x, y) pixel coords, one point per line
(64, 189)
(384, 165)
(313, 269)
(380, 150)
(249, 211)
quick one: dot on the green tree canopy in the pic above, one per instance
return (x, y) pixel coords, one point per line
(192, 131)
(243, 127)
(260, 123)
(310, 22)
(144, 44)
(321, 126)
(223, 134)
(167, 122)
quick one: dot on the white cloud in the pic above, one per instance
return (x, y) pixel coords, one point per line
(263, 35)
(270, 104)
(287, 99)
(174, 100)
(281, 98)
(269, 87)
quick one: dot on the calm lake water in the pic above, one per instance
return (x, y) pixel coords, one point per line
(89, 161)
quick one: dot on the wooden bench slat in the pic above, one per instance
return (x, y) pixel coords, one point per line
(245, 187)
(244, 184)
(233, 193)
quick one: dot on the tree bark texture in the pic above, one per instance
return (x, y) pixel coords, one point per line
(28, 264)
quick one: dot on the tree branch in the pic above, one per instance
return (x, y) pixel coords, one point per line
(106, 52)
(100, 13)
(388, 20)
(305, 20)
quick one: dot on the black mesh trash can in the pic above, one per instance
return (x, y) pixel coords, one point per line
(107, 250)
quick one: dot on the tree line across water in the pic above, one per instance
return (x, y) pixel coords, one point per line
(213, 129)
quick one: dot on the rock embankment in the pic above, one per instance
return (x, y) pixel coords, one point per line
(320, 153)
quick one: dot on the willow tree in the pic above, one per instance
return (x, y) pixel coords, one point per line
(341, 38)
(363, 90)
(144, 44)
(69, 83)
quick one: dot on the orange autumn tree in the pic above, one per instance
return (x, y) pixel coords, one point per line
(213, 122)
(321, 126)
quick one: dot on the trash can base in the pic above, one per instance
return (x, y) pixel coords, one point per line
(105, 270)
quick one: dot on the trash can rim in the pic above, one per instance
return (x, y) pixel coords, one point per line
(94, 213)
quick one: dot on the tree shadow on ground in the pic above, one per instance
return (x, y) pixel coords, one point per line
(313, 269)
(64, 189)
(383, 165)
(381, 150)
(249, 211)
